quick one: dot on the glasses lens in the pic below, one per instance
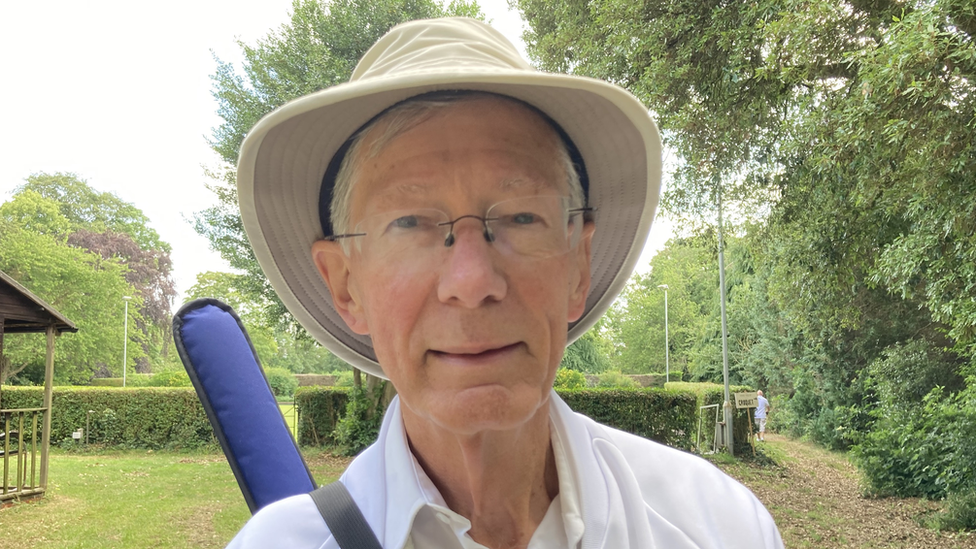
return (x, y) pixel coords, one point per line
(535, 226)
(402, 233)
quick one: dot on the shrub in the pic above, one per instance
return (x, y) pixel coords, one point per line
(615, 379)
(569, 379)
(667, 416)
(924, 450)
(139, 380)
(344, 379)
(282, 382)
(583, 356)
(151, 417)
(959, 512)
(170, 377)
(360, 425)
(319, 409)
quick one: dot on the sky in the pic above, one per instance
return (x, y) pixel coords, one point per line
(119, 93)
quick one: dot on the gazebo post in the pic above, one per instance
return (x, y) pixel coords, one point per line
(48, 390)
(1, 360)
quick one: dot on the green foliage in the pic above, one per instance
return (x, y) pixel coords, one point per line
(615, 379)
(282, 381)
(918, 447)
(344, 379)
(151, 418)
(360, 425)
(844, 131)
(318, 48)
(137, 380)
(170, 377)
(666, 416)
(908, 371)
(84, 208)
(569, 379)
(104, 224)
(319, 411)
(584, 355)
(82, 251)
(959, 512)
(82, 286)
(33, 212)
(688, 266)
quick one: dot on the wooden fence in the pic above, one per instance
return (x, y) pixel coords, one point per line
(20, 447)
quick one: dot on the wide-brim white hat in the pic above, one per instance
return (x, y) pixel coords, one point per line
(285, 156)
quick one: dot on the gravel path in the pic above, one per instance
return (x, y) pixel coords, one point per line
(815, 497)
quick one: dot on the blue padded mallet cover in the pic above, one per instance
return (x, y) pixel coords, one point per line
(223, 366)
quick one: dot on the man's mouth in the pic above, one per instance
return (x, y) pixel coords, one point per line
(474, 354)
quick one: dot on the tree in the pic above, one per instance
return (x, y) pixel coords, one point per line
(107, 236)
(106, 225)
(318, 48)
(82, 286)
(687, 266)
(116, 230)
(94, 211)
(846, 129)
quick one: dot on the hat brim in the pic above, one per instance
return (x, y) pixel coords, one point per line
(284, 157)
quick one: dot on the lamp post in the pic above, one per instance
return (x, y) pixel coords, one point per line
(125, 338)
(667, 350)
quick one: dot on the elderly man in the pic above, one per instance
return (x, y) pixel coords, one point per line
(451, 219)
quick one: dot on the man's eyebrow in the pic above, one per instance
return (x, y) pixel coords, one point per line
(520, 182)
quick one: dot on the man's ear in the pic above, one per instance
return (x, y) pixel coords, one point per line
(333, 264)
(579, 281)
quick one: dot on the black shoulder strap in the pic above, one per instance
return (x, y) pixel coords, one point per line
(342, 515)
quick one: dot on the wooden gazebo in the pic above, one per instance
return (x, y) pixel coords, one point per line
(24, 475)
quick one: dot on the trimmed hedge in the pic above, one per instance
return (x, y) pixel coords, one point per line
(319, 410)
(312, 380)
(666, 416)
(144, 417)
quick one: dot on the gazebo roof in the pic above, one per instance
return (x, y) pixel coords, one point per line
(23, 312)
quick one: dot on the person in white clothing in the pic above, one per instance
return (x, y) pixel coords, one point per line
(762, 409)
(451, 219)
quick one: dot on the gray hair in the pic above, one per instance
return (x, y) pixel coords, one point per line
(401, 118)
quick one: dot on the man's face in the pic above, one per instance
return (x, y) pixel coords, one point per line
(472, 337)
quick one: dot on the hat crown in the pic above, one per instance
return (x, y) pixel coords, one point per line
(449, 44)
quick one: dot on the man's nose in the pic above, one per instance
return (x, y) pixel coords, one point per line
(470, 275)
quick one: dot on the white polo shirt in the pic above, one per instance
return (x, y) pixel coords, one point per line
(616, 491)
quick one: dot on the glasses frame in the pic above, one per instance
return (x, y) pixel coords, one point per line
(487, 231)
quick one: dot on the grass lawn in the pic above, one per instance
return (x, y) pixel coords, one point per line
(138, 499)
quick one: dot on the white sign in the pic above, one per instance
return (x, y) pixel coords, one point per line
(746, 400)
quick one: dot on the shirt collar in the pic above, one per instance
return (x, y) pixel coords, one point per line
(409, 489)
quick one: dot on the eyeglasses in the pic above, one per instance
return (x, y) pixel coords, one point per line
(533, 226)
